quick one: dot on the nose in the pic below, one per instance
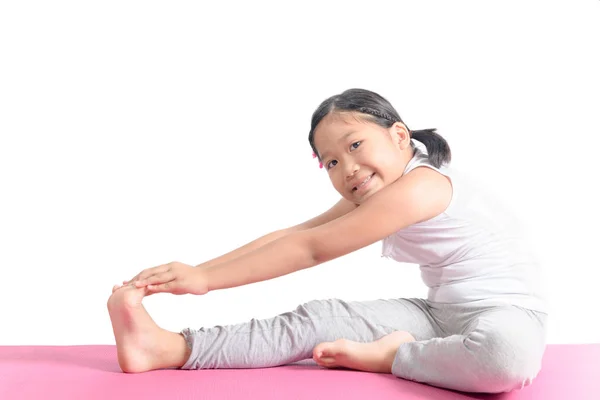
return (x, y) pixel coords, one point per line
(351, 170)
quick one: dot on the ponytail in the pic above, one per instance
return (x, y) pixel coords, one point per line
(438, 150)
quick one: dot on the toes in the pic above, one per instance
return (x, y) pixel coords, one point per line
(325, 354)
(321, 350)
(331, 349)
(318, 352)
(126, 296)
(325, 361)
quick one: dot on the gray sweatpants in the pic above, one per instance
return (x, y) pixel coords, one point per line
(461, 347)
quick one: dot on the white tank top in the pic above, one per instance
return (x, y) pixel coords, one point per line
(473, 252)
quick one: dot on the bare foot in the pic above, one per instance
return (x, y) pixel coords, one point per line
(377, 356)
(141, 344)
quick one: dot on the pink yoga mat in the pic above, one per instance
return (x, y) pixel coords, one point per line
(570, 372)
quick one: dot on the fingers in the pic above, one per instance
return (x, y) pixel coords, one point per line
(157, 279)
(167, 287)
(149, 272)
(153, 276)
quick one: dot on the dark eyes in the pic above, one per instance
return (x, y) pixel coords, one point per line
(353, 146)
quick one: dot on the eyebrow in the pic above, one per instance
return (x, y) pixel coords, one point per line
(343, 138)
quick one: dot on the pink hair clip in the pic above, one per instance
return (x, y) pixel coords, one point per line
(320, 163)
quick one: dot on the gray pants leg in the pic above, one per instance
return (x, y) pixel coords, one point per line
(291, 336)
(460, 347)
(490, 349)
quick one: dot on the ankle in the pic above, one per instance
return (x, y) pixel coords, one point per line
(175, 352)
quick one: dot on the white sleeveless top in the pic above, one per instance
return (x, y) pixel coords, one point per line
(472, 252)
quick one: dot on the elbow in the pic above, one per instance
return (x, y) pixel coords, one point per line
(308, 254)
(319, 255)
(314, 249)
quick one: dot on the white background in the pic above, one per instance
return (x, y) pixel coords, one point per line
(138, 133)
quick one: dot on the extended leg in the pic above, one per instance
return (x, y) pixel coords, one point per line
(292, 336)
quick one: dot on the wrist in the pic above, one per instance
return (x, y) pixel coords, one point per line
(201, 282)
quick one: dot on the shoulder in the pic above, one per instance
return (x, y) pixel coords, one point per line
(427, 185)
(417, 196)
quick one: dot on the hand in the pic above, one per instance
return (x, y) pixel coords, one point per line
(174, 277)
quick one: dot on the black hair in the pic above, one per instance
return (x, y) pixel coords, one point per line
(380, 112)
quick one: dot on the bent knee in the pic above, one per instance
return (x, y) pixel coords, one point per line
(506, 379)
(508, 368)
(498, 378)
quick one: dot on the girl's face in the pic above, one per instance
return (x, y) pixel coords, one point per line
(361, 157)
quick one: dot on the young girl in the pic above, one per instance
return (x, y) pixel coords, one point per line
(482, 327)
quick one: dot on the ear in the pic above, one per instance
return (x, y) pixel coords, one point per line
(400, 135)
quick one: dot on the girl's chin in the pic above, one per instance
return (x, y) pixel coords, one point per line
(361, 199)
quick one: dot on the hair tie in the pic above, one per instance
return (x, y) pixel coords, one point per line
(320, 163)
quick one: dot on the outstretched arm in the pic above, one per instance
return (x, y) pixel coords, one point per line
(342, 207)
(418, 196)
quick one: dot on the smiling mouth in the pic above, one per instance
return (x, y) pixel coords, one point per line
(355, 188)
